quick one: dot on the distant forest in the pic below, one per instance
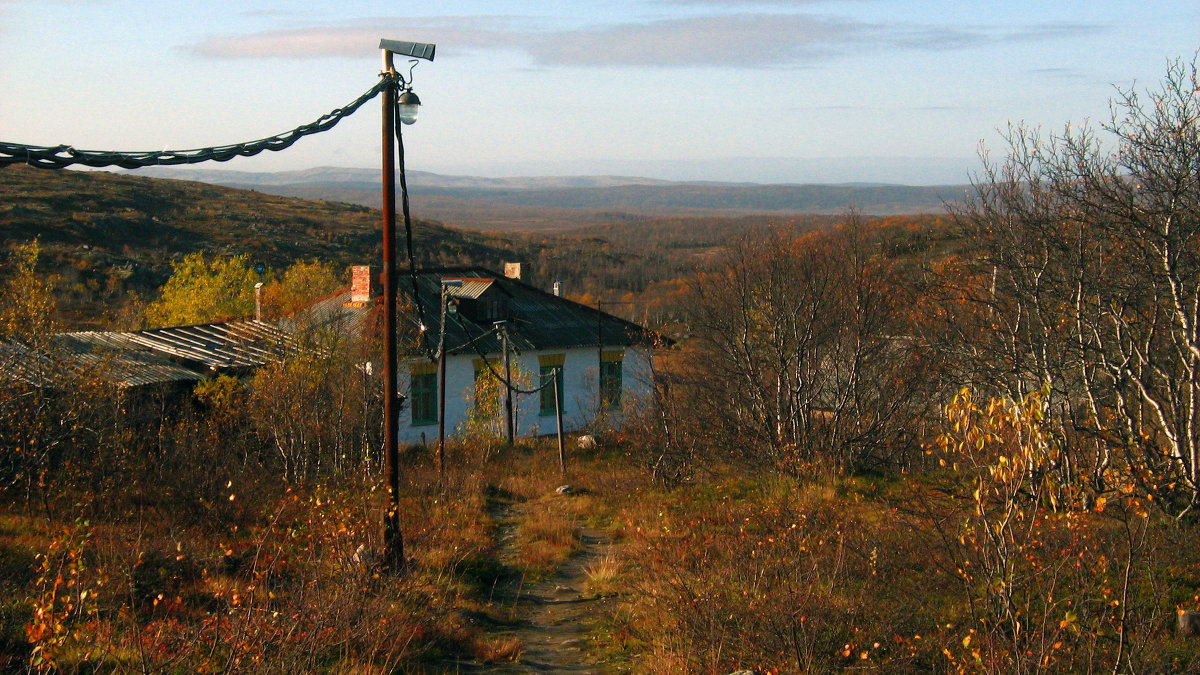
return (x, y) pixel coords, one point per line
(109, 241)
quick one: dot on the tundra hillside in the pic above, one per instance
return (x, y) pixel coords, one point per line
(892, 445)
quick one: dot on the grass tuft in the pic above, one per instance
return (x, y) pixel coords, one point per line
(603, 576)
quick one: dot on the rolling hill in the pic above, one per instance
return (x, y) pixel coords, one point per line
(105, 235)
(109, 239)
(562, 203)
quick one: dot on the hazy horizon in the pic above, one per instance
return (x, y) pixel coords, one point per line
(791, 91)
(822, 171)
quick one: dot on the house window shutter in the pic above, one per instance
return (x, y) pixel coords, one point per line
(423, 395)
(551, 365)
(610, 382)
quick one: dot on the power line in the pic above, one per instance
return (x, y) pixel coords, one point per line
(408, 229)
(62, 156)
(487, 361)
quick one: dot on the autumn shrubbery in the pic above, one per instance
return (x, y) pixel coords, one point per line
(899, 574)
(234, 527)
(979, 459)
(287, 582)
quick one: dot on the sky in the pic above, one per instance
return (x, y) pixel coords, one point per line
(768, 91)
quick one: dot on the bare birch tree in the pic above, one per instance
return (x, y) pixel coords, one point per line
(1095, 248)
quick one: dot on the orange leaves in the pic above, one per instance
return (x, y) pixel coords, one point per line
(62, 599)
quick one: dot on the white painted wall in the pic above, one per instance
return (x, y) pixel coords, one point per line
(580, 392)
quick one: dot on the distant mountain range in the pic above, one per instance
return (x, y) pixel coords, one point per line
(567, 202)
(367, 178)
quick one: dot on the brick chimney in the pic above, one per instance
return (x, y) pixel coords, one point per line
(362, 284)
(512, 270)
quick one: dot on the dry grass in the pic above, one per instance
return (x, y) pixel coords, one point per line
(751, 571)
(275, 589)
(287, 578)
(604, 576)
(736, 571)
(546, 536)
(501, 650)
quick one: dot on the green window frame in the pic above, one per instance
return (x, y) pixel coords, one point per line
(424, 398)
(610, 384)
(547, 394)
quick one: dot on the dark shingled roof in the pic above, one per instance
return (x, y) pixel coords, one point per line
(537, 320)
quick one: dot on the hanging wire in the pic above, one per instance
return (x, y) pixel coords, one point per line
(488, 362)
(62, 156)
(408, 229)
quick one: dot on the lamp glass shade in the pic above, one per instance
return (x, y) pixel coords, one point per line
(407, 106)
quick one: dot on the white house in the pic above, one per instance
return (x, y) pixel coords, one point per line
(602, 362)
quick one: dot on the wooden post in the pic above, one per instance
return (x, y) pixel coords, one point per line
(508, 397)
(441, 457)
(562, 456)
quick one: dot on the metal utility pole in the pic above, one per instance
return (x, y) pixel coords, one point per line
(393, 539)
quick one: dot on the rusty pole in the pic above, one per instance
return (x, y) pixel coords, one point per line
(393, 539)
(441, 354)
(508, 387)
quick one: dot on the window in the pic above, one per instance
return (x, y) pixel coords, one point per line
(494, 309)
(423, 395)
(610, 381)
(551, 365)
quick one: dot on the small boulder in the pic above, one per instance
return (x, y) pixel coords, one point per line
(1188, 623)
(565, 489)
(363, 556)
(587, 442)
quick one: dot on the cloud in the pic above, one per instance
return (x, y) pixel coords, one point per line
(744, 39)
(759, 3)
(348, 40)
(945, 38)
(1060, 73)
(869, 108)
(264, 13)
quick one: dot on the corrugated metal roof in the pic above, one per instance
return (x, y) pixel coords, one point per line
(22, 363)
(470, 289)
(233, 344)
(335, 312)
(120, 360)
(159, 355)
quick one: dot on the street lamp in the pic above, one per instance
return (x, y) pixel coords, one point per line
(393, 539)
(407, 106)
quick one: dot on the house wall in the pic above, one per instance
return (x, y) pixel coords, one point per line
(580, 392)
